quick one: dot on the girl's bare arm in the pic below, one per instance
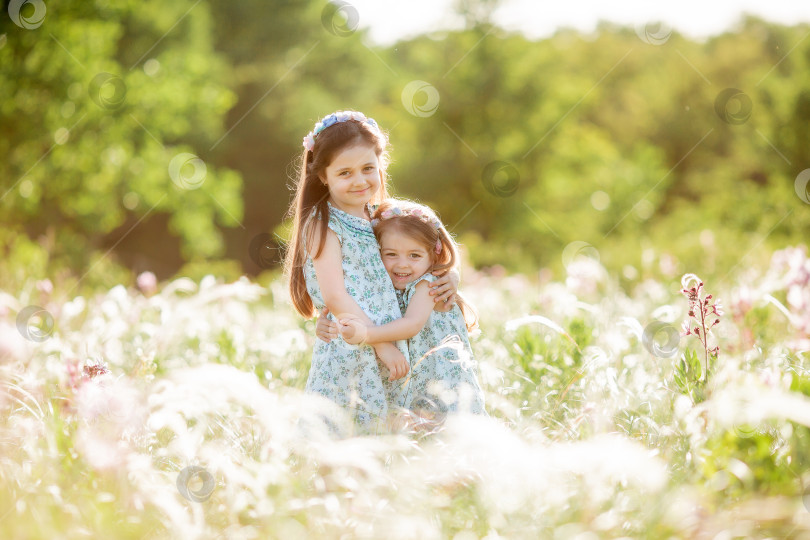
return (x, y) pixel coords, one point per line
(329, 272)
(417, 314)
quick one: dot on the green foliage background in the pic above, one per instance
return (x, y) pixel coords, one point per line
(87, 197)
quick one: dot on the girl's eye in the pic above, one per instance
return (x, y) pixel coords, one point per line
(369, 168)
(343, 173)
(415, 256)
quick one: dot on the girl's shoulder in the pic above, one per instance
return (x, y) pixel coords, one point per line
(335, 223)
(311, 230)
(427, 278)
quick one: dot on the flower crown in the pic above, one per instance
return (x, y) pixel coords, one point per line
(334, 118)
(396, 211)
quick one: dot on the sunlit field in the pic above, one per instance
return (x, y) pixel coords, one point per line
(630, 194)
(177, 411)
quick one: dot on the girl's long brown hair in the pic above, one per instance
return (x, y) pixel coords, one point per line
(309, 207)
(422, 231)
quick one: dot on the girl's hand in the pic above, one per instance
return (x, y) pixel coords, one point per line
(325, 329)
(352, 329)
(445, 288)
(393, 359)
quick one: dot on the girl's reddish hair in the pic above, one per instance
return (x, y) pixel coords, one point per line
(422, 230)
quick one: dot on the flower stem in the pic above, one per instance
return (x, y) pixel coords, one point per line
(705, 342)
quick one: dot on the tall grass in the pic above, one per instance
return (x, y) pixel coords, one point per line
(179, 413)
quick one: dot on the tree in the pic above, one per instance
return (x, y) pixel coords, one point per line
(107, 116)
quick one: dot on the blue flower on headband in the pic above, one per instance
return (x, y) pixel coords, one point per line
(424, 215)
(330, 120)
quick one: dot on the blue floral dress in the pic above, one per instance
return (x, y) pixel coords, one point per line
(441, 360)
(351, 375)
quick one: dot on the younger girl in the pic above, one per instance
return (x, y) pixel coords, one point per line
(413, 243)
(334, 261)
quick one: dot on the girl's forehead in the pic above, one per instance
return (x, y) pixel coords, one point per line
(353, 156)
(396, 239)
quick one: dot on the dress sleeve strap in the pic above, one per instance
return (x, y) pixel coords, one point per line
(336, 226)
(411, 288)
(314, 221)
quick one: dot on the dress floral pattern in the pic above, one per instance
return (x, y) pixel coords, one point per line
(351, 375)
(441, 360)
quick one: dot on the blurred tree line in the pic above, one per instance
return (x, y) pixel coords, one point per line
(165, 136)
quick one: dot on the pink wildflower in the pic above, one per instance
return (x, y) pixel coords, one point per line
(705, 313)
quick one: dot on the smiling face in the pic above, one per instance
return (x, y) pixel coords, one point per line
(404, 258)
(353, 177)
